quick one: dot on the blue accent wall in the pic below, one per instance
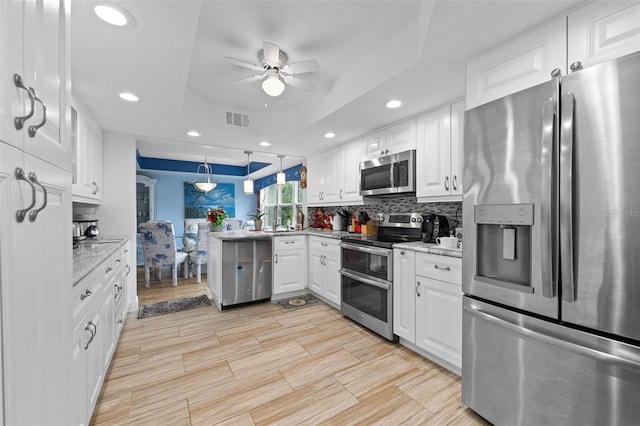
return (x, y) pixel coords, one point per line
(291, 174)
(149, 163)
(170, 196)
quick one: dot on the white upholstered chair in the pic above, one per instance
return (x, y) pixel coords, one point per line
(159, 247)
(198, 257)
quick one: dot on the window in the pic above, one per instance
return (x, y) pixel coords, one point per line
(281, 203)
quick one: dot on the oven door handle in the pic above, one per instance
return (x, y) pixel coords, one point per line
(365, 249)
(364, 280)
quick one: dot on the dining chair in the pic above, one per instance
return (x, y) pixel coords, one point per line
(159, 247)
(198, 257)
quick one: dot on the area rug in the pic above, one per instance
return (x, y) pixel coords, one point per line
(171, 306)
(298, 302)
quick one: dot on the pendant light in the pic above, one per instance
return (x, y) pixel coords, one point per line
(280, 177)
(201, 184)
(248, 183)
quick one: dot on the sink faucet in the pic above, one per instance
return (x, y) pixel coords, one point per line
(275, 218)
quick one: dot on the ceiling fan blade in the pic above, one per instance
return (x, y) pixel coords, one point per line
(255, 77)
(310, 65)
(271, 53)
(242, 63)
(297, 82)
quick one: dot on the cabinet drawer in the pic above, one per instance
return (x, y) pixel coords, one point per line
(287, 243)
(86, 293)
(443, 268)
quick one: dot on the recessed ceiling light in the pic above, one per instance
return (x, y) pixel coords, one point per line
(115, 15)
(193, 133)
(129, 97)
(393, 104)
(329, 135)
(265, 143)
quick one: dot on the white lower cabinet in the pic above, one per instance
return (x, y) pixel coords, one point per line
(289, 264)
(427, 304)
(98, 315)
(324, 269)
(214, 269)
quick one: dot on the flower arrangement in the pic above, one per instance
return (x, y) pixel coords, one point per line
(216, 216)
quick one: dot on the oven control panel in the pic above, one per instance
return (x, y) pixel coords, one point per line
(400, 220)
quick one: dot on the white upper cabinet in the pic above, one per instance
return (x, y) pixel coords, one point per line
(333, 177)
(86, 141)
(439, 154)
(598, 32)
(35, 86)
(602, 31)
(397, 138)
(520, 63)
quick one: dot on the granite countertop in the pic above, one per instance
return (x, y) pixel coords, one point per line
(429, 248)
(90, 253)
(259, 235)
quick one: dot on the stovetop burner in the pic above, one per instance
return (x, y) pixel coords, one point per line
(392, 228)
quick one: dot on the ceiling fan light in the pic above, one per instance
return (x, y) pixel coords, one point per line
(273, 86)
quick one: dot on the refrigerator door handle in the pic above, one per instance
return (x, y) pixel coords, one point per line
(562, 343)
(566, 197)
(546, 201)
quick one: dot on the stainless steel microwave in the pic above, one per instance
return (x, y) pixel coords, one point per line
(391, 174)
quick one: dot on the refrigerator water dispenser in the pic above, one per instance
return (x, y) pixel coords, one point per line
(504, 244)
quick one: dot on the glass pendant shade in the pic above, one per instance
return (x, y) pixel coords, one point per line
(272, 85)
(204, 183)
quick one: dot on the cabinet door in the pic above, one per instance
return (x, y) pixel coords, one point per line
(602, 31)
(404, 294)
(374, 144)
(13, 101)
(439, 319)
(400, 137)
(520, 63)
(316, 265)
(315, 179)
(78, 394)
(332, 276)
(88, 154)
(289, 271)
(457, 121)
(95, 357)
(108, 328)
(332, 176)
(45, 69)
(214, 269)
(352, 154)
(433, 163)
(35, 281)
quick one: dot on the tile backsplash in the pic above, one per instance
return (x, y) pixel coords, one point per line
(399, 204)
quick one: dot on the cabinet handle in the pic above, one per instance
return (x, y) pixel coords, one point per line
(276, 257)
(340, 194)
(454, 182)
(418, 288)
(442, 268)
(109, 269)
(128, 270)
(33, 214)
(20, 214)
(34, 129)
(402, 252)
(19, 121)
(556, 72)
(576, 66)
(446, 183)
(96, 188)
(93, 333)
(86, 294)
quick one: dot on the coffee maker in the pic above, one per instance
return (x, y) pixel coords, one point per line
(434, 226)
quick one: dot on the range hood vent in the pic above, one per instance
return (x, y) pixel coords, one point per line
(237, 119)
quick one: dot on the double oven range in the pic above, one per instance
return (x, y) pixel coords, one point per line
(367, 270)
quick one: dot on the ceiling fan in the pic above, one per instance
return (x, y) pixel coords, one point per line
(275, 70)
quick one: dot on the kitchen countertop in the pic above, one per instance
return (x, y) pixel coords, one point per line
(259, 235)
(90, 253)
(429, 248)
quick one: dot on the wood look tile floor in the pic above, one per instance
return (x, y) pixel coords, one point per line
(259, 365)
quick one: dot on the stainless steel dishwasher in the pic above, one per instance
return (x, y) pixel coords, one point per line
(246, 271)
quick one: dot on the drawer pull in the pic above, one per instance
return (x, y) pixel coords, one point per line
(86, 294)
(418, 288)
(442, 268)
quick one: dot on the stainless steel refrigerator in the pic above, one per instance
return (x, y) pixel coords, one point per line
(551, 257)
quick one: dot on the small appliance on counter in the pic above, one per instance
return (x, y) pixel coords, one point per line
(85, 227)
(434, 226)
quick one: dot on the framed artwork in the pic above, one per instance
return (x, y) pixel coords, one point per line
(197, 203)
(303, 177)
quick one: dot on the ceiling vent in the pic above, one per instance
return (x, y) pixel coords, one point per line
(236, 119)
